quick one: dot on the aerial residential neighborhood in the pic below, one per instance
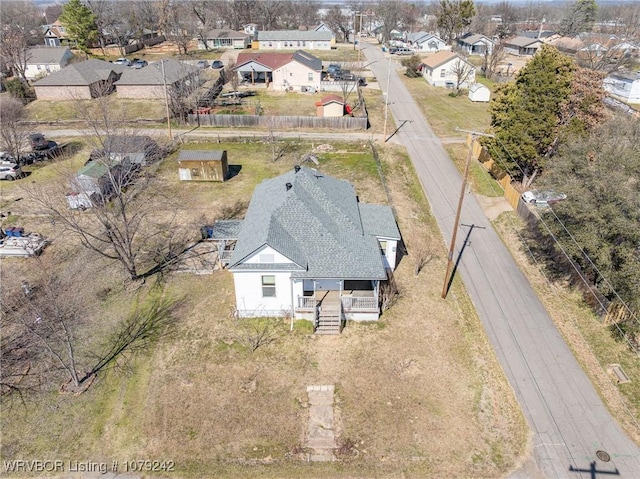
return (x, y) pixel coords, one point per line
(319, 239)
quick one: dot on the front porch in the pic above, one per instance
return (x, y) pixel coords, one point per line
(354, 300)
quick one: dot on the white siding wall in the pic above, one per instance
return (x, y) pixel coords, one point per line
(266, 253)
(296, 75)
(390, 254)
(435, 78)
(249, 299)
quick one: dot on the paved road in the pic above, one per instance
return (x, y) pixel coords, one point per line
(567, 417)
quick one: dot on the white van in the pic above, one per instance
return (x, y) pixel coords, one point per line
(403, 51)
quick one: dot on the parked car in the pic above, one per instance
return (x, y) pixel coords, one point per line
(122, 61)
(217, 64)
(10, 172)
(403, 51)
(542, 198)
(140, 64)
(202, 64)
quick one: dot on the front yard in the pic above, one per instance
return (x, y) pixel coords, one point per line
(418, 394)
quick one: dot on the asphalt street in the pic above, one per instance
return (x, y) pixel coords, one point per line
(568, 420)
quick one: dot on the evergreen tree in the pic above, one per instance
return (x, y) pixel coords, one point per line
(454, 16)
(579, 17)
(525, 114)
(80, 24)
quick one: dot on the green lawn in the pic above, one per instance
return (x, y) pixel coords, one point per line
(446, 113)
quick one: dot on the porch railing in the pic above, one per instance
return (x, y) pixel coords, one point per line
(307, 302)
(350, 303)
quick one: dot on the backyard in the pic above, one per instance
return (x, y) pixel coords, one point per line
(201, 399)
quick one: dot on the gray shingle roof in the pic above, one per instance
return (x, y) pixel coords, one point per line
(174, 71)
(200, 155)
(308, 60)
(81, 74)
(521, 41)
(473, 39)
(317, 224)
(378, 220)
(47, 55)
(294, 35)
(225, 33)
(226, 229)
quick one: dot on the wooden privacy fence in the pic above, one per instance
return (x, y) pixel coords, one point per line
(279, 122)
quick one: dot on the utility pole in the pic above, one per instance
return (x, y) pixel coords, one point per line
(386, 99)
(166, 99)
(474, 135)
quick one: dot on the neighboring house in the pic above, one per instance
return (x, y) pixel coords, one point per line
(426, 42)
(522, 46)
(44, 60)
(223, 38)
(309, 249)
(284, 71)
(474, 44)
(330, 106)
(84, 80)
(55, 35)
(625, 87)
(149, 82)
(479, 93)
(294, 39)
(443, 68)
(203, 165)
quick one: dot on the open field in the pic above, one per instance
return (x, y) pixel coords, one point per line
(418, 394)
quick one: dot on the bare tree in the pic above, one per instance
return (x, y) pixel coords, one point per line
(14, 49)
(492, 59)
(21, 29)
(45, 328)
(254, 333)
(131, 219)
(337, 21)
(279, 146)
(463, 73)
(421, 249)
(14, 132)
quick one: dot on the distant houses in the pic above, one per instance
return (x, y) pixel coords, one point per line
(294, 39)
(44, 60)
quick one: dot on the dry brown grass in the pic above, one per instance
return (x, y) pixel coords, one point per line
(418, 394)
(589, 339)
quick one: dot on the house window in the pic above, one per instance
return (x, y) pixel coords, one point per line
(383, 247)
(310, 77)
(270, 44)
(268, 286)
(442, 73)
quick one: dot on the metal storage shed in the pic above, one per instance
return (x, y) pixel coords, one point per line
(203, 165)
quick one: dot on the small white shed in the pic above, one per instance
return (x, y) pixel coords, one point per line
(479, 92)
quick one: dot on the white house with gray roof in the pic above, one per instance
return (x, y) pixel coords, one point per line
(309, 249)
(42, 61)
(294, 39)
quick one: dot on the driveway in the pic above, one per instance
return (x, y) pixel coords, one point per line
(568, 420)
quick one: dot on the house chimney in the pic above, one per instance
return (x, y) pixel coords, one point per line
(296, 168)
(288, 186)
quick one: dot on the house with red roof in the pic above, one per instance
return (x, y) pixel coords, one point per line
(296, 71)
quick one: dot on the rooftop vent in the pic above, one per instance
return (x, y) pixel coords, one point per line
(296, 168)
(288, 186)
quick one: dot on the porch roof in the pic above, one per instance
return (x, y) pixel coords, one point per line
(226, 229)
(378, 220)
